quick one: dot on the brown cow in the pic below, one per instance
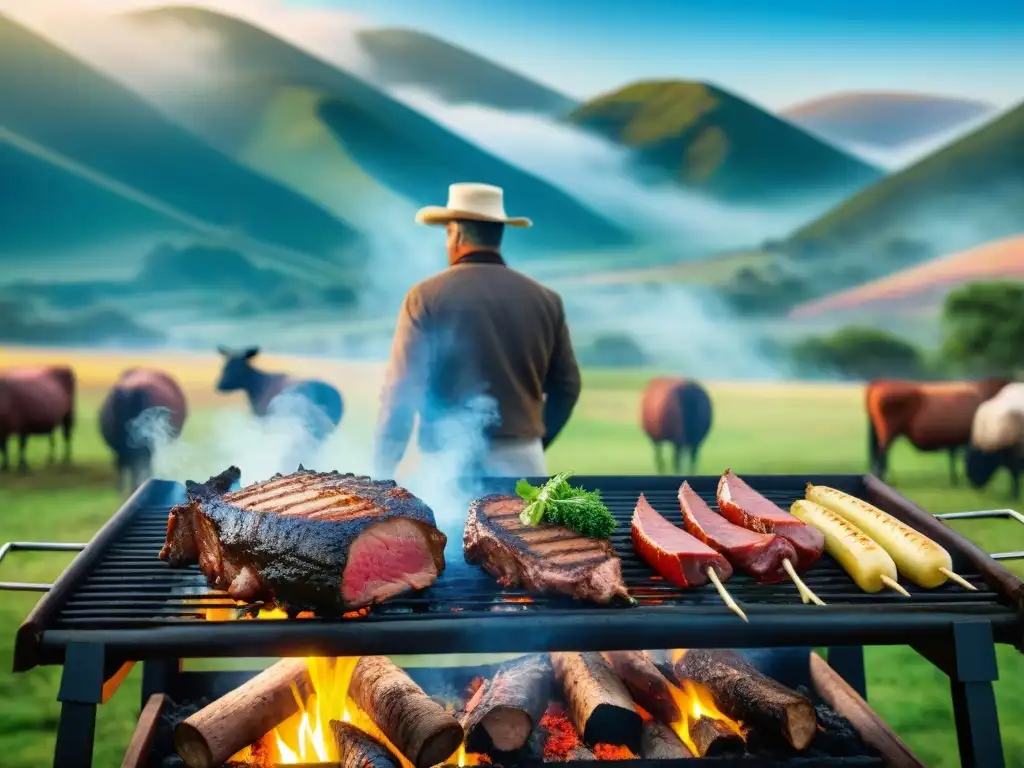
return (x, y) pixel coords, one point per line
(36, 400)
(137, 390)
(677, 411)
(934, 416)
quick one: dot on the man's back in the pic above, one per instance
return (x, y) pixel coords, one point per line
(492, 331)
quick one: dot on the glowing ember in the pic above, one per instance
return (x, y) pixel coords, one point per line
(642, 712)
(612, 752)
(519, 599)
(237, 614)
(562, 736)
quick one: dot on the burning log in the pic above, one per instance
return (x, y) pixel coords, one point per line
(659, 742)
(646, 684)
(503, 712)
(712, 737)
(742, 693)
(358, 749)
(234, 721)
(598, 701)
(417, 725)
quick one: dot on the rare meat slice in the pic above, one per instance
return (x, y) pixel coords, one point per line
(676, 555)
(757, 554)
(542, 558)
(745, 507)
(308, 541)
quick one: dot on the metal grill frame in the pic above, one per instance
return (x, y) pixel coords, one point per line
(958, 635)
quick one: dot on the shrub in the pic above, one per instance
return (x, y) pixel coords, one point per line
(614, 350)
(984, 327)
(858, 352)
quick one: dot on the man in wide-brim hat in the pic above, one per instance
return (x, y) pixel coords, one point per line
(481, 353)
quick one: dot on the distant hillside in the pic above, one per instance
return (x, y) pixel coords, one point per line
(405, 57)
(277, 101)
(707, 139)
(923, 288)
(967, 193)
(884, 119)
(65, 106)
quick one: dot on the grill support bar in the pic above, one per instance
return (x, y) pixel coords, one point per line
(81, 690)
(848, 662)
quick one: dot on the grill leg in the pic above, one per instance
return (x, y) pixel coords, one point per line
(81, 690)
(974, 701)
(159, 677)
(848, 661)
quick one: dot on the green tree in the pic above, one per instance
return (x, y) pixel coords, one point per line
(858, 352)
(983, 326)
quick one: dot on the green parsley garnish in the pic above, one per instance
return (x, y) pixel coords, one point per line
(560, 503)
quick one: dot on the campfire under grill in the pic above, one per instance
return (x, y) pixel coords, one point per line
(117, 604)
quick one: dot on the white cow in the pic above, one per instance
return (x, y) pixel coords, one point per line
(997, 438)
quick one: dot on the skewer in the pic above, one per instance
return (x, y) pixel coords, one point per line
(957, 578)
(805, 592)
(726, 597)
(894, 585)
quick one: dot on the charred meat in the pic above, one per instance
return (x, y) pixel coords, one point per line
(542, 558)
(308, 541)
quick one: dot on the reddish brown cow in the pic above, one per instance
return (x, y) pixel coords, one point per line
(676, 411)
(36, 400)
(137, 390)
(934, 416)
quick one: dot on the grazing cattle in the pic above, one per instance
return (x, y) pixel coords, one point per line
(36, 401)
(275, 392)
(934, 416)
(136, 391)
(676, 411)
(997, 438)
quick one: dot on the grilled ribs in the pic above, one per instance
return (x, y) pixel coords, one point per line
(322, 542)
(544, 558)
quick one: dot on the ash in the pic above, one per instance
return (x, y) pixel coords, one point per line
(162, 754)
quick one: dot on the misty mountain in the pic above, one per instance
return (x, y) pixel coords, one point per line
(921, 289)
(345, 143)
(967, 193)
(60, 106)
(712, 141)
(884, 120)
(405, 57)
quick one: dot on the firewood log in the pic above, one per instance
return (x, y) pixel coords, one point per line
(598, 701)
(713, 737)
(659, 742)
(502, 714)
(742, 693)
(358, 749)
(417, 725)
(646, 684)
(213, 734)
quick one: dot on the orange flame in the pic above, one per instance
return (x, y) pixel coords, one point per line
(695, 701)
(518, 599)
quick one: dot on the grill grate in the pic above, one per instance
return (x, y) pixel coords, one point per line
(123, 596)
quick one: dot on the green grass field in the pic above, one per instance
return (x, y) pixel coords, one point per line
(758, 428)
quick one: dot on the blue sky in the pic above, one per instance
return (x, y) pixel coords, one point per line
(775, 52)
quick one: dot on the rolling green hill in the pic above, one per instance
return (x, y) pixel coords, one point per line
(964, 194)
(64, 106)
(406, 57)
(707, 139)
(389, 144)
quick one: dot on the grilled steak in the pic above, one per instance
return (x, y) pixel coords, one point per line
(307, 541)
(544, 558)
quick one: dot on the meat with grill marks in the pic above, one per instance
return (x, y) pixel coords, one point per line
(543, 558)
(322, 542)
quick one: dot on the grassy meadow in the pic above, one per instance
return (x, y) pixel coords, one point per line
(766, 428)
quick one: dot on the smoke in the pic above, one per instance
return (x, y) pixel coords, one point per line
(295, 432)
(601, 175)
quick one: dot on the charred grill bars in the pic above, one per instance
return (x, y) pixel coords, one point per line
(117, 604)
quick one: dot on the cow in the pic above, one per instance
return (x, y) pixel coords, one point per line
(677, 411)
(934, 416)
(997, 439)
(36, 400)
(137, 390)
(272, 392)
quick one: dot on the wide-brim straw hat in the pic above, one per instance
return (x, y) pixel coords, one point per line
(475, 202)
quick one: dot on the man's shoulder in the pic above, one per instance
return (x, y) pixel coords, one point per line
(453, 281)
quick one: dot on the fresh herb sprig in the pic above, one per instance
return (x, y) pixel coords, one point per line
(560, 503)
